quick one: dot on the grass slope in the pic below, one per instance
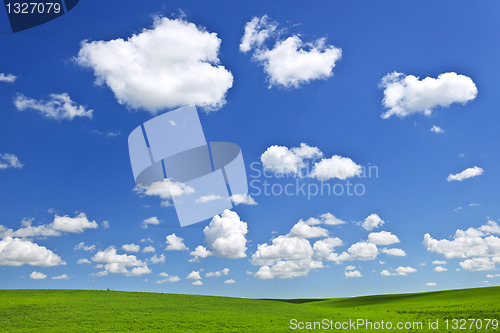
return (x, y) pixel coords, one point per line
(114, 311)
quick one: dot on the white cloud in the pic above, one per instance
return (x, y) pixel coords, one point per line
(393, 252)
(437, 129)
(440, 269)
(478, 264)
(335, 167)
(61, 277)
(360, 251)
(281, 159)
(439, 262)
(194, 275)
(325, 248)
(153, 220)
(59, 107)
(406, 95)
(173, 64)
(330, 219)
(157, 260)
(302, 230)
(131, 247)
(383, 238)
(290, 62)
(350, 268)
(230, 281)
(208, 198)
(82, 246)
(470, 243)
(37, 275)
(165, 190)
(403, 271)
(371, 222)
(83, 261)
(197, 283)
(257, 31)
(175, 243)
(222, 272)
(17, 252)
(200, 252)
(105, 224)
(225, 235)
(148, 249)
(9, 78)
(431, 284)
(9, 161)
(466, 174)
(170, 279)
(119, 263)
(75, 224)
(352, 274)
(245, 199)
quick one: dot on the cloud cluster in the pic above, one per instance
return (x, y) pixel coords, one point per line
(114, 263)
(290, 62)
(9, 161)
(466, 174)
(478, 246)
(17, 252)
(406, 95)
(168, 278)
(58, 106)
(175, 63)
(291, 161)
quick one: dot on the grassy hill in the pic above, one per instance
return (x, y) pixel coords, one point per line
(115, 311)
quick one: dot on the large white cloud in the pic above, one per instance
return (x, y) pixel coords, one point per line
(283, 160)
(335, 167)
(383, 238)
(124, 264)
(58, 106)
(466, 174)
(10, 161)
(477, 244)
(172, 64)
(226, 235)
(406, 95)
(290, 62)
(75, 224)
(17, 252)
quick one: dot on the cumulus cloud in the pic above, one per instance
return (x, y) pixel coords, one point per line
(230, 281)
(153, 220)
(17, 252)
(245, 199)
(58, 106)
(83, 261)
(383, 238)
(353, 274)
(8, 78)
(10, 161)
(406, 95)
(200, 252)
(114, 263)
(371, 222)
(290, 62)
(60, 277)
(466, 174)
(437, 129)
(440, 269)
(281, 159)
(431, 284)
(174, 63)
(82, 246)
(393, 252)
(194, 275)
(335, 167)
(208, 198)
(403, 271)
(175, 243)
(171, 279)
(76, 224)
(197, 283)
(222, 272)
(330, 219)
(131, 248)
(226, 235)
(37, 276)
(165, 190)
(478, 245)
(157, 260)
(149, 249)
(303, 230)
(439, 262)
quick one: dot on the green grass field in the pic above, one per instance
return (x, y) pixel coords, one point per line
(115, 311)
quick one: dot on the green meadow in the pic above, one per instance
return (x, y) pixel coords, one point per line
(116, 311)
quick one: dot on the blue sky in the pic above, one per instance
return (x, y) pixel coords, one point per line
(82, 164)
